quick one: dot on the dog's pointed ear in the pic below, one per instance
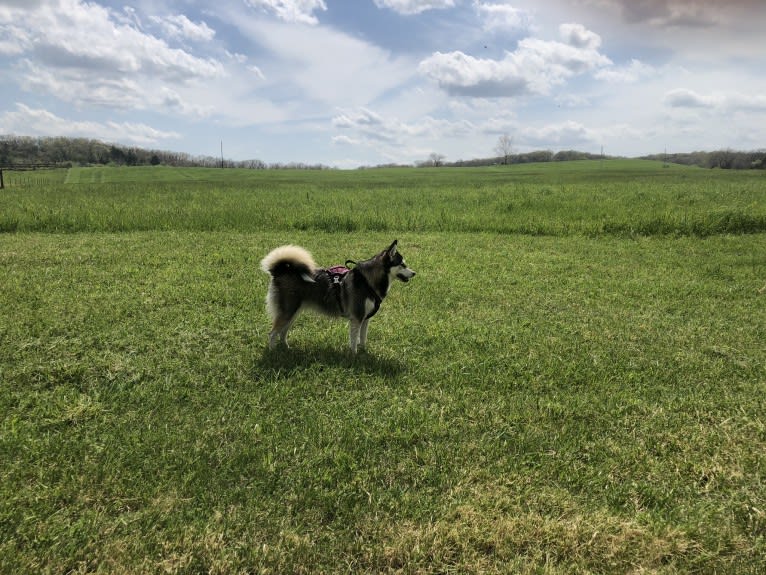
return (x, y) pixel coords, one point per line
(391, 251)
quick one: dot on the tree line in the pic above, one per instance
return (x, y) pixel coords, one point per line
(25, 150)
(723, 159)
(529, 158)
(438, 160)
(727, 159)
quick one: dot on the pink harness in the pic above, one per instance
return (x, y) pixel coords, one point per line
(337, 273)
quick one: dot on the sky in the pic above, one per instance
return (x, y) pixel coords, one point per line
(350, 83)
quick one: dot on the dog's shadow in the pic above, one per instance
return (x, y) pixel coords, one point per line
(283, 362)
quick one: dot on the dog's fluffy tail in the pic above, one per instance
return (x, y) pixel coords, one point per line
(289, 259)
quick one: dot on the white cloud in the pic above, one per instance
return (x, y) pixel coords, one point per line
(629, 74)
(369, 126)
(683, 98)
(297, 11)
(533, 68)
(13, 40)
(179, 26)
(29, 121)
(88, 55)
(345, 141)
(728, 103)
(257, 72)
(171, 100)
(463, 75)
(74, 86)
(502, 17)
(572, 100)
(324, 66)
(237, 57)
(361, 117)
(565, 134)
(746, 102)
(409, 7)
(78, 35)
(579, 36)
(499, 125)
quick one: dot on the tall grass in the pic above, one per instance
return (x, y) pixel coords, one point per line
(621, 198)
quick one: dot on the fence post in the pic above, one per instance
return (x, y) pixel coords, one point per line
(1, 179)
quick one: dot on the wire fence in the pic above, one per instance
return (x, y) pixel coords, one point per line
(31, 175)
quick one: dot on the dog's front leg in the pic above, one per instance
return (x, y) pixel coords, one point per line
(363, 333)
(354, 328)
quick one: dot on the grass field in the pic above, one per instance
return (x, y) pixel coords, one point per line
(575, 381)
(576, 198)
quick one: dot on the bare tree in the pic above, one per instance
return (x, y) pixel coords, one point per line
(504, 147)
(435, 159)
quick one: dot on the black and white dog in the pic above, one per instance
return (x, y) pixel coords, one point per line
(356, 294)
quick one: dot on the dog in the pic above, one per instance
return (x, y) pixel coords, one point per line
(356, 293)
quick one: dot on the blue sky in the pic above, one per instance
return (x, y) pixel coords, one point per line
(366, 82)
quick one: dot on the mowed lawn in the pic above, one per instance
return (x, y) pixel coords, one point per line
(574, 382)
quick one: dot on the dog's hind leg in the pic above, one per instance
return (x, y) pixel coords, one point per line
(282, 324)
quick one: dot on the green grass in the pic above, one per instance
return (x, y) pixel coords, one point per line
(621, 198)
(579, 402)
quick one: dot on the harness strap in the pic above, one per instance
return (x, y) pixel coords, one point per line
(377, 300)
(338, 274)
